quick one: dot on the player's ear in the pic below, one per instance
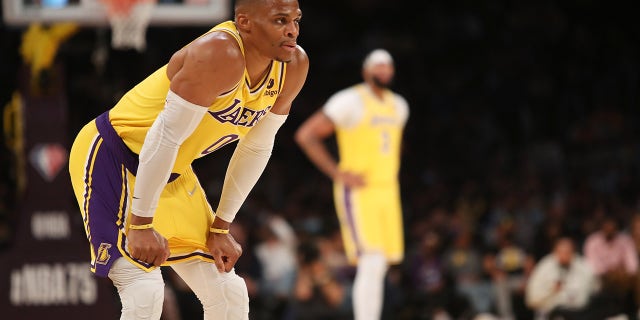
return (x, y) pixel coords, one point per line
(243, 22)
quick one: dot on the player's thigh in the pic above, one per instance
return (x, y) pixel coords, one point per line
(368, 215)
(360, 215)
(80, 157)
(379, 220)
(392, 222)
(100, 184)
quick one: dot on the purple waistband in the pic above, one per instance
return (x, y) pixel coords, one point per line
(115, 143)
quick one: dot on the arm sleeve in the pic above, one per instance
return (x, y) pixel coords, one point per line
(344, 108)
(247, 164)
(174, 124)
(403, 108)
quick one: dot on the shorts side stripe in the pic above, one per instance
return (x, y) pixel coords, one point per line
(350, 215)
(88, 179)
(124, 197)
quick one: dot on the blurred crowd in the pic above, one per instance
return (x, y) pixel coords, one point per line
(520, 172)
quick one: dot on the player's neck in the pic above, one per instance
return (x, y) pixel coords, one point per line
(257, 66)
(377, 91)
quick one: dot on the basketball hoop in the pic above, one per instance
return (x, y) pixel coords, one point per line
(129, 20)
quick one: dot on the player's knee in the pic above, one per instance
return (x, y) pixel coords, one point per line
(374, 264)
(141, 293)
(142, 299)
(234, 302)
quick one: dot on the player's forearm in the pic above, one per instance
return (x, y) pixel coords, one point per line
(174, 124)
(239, 182)
(247, 164)
(151, 178)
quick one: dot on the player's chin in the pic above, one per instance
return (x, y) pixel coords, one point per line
(283, 59)
(286, 53)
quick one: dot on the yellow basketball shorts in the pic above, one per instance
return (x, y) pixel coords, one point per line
(370, 220)
(102, 178)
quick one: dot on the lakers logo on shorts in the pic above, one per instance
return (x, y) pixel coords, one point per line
(103, 254)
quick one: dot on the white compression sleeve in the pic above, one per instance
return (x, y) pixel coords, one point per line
(247, 164)
(175, 123)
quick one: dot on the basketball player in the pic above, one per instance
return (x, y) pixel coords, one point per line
(142, 204)
(368, 120)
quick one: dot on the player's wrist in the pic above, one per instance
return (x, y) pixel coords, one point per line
(147, 226)
(220, 224)
(140, 221)
(333, 173)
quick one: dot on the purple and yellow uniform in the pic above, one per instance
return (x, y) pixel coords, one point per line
(104, 161)
(369, 134)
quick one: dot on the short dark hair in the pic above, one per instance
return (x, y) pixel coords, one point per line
(563, 239)
(245, 2)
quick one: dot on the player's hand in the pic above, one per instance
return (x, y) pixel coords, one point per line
(350, 179)
(225, 250)
(148, 245)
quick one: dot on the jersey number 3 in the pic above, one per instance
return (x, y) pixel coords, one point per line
(385, 146)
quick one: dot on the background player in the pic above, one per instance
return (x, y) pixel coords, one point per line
(236, 82)
(368, 120)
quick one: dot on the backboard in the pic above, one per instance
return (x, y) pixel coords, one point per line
(93, 13)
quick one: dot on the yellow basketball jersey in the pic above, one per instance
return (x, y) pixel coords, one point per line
(372, 147)
(230, 116)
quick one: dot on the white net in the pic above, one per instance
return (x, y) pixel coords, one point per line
(129, 20)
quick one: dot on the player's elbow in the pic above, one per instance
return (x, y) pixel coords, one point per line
(298, 137)
(304, 136)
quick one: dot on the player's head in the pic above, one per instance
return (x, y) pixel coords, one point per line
(269, 26)
(378, 69)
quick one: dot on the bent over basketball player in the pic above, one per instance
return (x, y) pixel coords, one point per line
(141, 202)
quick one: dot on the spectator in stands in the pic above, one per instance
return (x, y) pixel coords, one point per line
(318, 294)
(433, 295)
(561, 284)
(509, 267)
(634, 231)
(248, 266)
(276, 253)
(463, 261)
(612, 255)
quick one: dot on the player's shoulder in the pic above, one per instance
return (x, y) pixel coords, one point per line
(346, 98)
(400, 100)
(300, 59)
(402, 106)
(397, 95)
(348, 92)
(219, 48)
